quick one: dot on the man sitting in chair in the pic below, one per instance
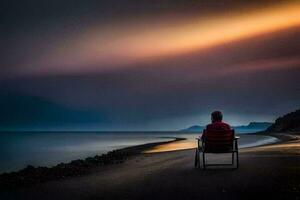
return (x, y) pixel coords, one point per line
(216, 123)
(217, 138)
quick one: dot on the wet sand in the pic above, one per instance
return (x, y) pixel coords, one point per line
(270, 171)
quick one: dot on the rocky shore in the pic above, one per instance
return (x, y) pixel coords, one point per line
(33, 175)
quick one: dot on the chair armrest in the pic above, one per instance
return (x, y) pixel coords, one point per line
(235, 139)
(199, 140)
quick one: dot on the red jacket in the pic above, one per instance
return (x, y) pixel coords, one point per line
(216, 126)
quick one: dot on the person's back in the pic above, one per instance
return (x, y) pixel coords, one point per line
(217, 124)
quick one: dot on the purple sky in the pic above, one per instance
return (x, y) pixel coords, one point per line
(141, 65)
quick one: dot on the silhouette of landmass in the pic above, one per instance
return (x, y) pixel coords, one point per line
(255, 126)
(286, 123)
(21, 112)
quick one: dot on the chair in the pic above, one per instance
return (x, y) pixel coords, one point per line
(217, 141)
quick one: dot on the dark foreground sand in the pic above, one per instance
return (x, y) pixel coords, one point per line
(271, 172)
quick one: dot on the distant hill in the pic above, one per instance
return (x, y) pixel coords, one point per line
(33, 113)
(194, 128)
(289, 122)
(251, 127)
(256, 125)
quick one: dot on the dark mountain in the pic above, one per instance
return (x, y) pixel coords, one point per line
(195, 128)
(251, 127)
(289, 122)
(256, 125)
(27, 113)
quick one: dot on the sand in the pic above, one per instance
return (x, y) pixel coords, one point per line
(270, 171)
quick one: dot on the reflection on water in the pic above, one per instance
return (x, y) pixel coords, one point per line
(47, 149)
(190, 143)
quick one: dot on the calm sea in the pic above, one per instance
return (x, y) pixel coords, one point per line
(19, 149)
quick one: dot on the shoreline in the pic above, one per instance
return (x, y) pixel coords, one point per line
(34, 175)
(268, 170)
(283, 137)
(271, 171)
(31, 175)
(191, 144)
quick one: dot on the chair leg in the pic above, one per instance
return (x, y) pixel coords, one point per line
(197, 158)
(232, 158)
(237, 159)
(203, 157)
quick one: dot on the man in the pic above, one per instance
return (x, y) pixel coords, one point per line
(217, 124)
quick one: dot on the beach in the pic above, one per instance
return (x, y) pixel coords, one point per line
(47, 149)
(123, 100)
(266, 171)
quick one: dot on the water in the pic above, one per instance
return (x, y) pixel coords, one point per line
(18, 150)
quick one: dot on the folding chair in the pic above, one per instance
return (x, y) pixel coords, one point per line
(217, 141)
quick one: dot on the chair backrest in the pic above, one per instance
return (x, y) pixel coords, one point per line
(218, 141)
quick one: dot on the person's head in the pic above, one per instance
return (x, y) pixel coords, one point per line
(216, 116)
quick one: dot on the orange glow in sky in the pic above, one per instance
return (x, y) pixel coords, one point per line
(118, 45)
(199, 33)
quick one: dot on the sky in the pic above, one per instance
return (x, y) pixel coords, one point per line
(146, 65)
